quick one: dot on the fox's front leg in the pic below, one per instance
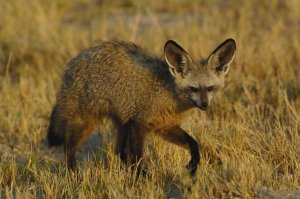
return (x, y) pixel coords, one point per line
(123, 138)
(130, 144)
(179, 137)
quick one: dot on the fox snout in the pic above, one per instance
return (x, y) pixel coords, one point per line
(201, 105)
(200, 99)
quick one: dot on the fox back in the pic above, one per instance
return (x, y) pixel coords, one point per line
(123, 81)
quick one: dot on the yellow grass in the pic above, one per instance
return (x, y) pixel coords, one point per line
(252, 128)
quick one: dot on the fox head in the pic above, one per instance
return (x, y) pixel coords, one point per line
(197, 83)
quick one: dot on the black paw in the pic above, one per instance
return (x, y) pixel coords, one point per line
(141, 173)
(192, 168)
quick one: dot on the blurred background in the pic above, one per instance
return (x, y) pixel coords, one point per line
(41, 34)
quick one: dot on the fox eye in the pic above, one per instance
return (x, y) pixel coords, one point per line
(193, 89)
(210, 88)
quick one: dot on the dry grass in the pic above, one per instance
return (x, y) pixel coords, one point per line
(253, 126)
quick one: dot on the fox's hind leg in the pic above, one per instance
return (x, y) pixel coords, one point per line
(79, 129)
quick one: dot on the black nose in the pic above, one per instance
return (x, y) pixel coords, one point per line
(204, 104)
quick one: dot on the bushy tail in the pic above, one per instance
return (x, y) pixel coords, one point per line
(55, 133)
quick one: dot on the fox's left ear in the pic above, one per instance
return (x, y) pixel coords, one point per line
(179, 61)
(222, 56)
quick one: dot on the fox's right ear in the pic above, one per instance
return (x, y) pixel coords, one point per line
(177, 58)
(222, 56)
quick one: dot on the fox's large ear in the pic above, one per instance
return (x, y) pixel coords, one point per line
(177, 58)
(222, 56)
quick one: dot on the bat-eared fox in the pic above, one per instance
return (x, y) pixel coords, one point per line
(139, 92)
